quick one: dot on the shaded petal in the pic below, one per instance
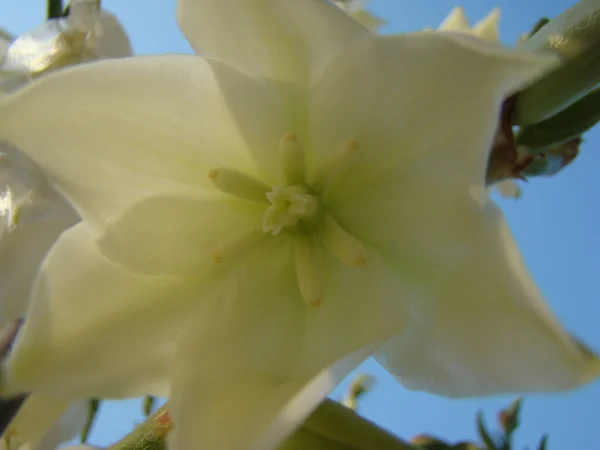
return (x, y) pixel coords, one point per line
(175, 235)
(398, 115)
(256, 343)
(455, 21)
(68, 426)
(282, 40)
(310, 396)
(423, 142)
(111, 39)
(21, 254)
(115, 132)
(508, 188)
(35, 419)
(94, 329)
(483, 328)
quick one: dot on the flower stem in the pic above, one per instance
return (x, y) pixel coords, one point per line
(149, 435)
(54, 9)
(331, 426)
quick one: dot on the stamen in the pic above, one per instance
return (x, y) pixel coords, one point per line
(342, 244)
(293, 159)
(308, 271)
(239, 185)
(334, 164)
(237, 247)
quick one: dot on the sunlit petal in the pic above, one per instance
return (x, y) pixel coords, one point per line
(94, 328)
(483, 328)
(112, 133)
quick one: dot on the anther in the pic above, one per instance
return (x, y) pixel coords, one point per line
(342, 244)
(239, 185)
(293, 159)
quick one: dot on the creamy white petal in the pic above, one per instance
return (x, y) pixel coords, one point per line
(455, 21)
(254, 343)
(482, 327)
(398, 115)
(407, 192)
(68, 426)
(305, 402)
(43, 422)
(111, 39)
(282, 40)
(508, 188)
(178, 236)
(21, 254)
(115, 132)
(95, 329)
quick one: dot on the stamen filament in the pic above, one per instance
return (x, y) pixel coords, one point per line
(334, 164)
(308, 270)
(342, 244)
(239, 185)
(293, 159)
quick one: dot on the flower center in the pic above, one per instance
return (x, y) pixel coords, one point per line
(296, 209)
(289, 205)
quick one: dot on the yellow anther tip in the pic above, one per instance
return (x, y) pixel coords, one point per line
(217, 258)
(353, 145)
(360, 261)
(213, 174)
(316, 303)
(290, 137)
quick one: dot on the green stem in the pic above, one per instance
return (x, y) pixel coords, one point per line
(91, 418)
(330, 427)
(575, 36)
(149, 435)
(570, 123)
(54, 9)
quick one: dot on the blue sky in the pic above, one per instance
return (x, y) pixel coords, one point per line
(555, 223)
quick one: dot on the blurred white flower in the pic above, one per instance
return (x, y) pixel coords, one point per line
(85, 34)
(288, 202)
(5, 39)
(32, 216)
(486, 28)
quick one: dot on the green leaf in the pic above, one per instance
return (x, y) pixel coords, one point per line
(54, 9)
(578, 118)
(543, 443)
(335, 422)
(484, 434)
(538, 25)
(509, 417)
(148, 406)
(92, 413)
(575, 35)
